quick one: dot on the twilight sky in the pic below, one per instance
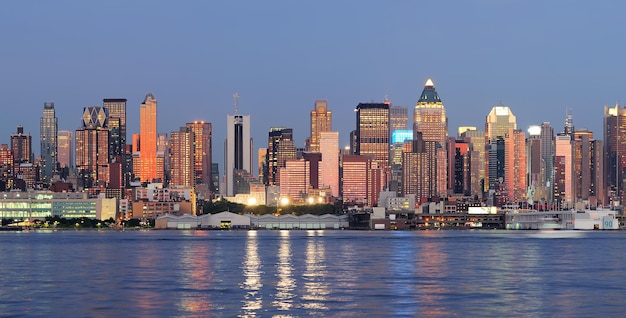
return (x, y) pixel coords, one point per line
(538, 57)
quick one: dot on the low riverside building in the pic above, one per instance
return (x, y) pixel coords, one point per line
(222, 220)
(562, 220)
(229, 220)
(307, 221)
(42, 204)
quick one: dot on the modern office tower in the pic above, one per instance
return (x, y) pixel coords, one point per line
(203, 150)
(420, 169)
(48, 134)
(515, 165)
(182, 157)
(65, 149)
(238, 150)
(587, 165)
(535, 166)
(147, 163)
(321, 120)
(372, 132)
(361, 180)
(476, 140)
(116, 108)
(215, 177)
(614, 130)
(295, 180)
(563, 190)
(430, 119)
(162, 159)
(92, 148)
(547, 157)
(329, 168)
(398, 118)
(21, 147)
(280, 148)
(459, 181)
(497, 124)
(496, 153)
(314, 159)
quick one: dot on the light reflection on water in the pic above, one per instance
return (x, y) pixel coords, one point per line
(283, 299)
(311, 273)
(316, 291)
(253, 299)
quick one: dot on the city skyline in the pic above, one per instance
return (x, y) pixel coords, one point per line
(476, 60)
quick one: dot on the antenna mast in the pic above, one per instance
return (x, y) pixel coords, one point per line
(236, 97)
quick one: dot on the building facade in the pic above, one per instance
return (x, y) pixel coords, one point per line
(48, 137)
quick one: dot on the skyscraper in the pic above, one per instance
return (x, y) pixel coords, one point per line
(430, 119)
(547, 157)
(202, 134)
(321, 120)
(615, 151)
(372, 132)
(280, 148)
(478, 175)
(148, 135)
(515, 165)
(92, 148)
(329, 167)
(419, 168)
(116, 108)
(21, 147)
(65, 149)
(48, 134)
(238, 150)
(398, 118)
(182, 152)
(497, 124)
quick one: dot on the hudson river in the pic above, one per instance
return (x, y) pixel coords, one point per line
(312, 273)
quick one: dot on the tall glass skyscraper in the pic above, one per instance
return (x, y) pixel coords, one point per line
(238, 150)
(48, 136)
(148, 137)
(430, 119)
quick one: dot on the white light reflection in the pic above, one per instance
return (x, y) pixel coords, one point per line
(284, 269)
(253, 300)
(196, 278)
(315, 289)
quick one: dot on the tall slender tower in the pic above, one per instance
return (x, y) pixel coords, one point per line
(48, 134)
(329, 168)
(116, 108)
(238, 148)
(497, 124)
(321, 121)
(202, 151)
(148, 135)
(182, 158)
(430, 119)
(615, 151)
(92, 147)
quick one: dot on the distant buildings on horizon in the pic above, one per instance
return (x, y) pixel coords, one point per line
(415, 159)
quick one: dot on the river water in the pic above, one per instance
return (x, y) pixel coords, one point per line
(312, 273)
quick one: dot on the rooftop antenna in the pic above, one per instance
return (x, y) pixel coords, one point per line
(236, 97)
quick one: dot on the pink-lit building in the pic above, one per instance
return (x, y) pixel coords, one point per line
(329, 167)
(295, 180)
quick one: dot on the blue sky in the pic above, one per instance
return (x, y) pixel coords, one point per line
(538, 57)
